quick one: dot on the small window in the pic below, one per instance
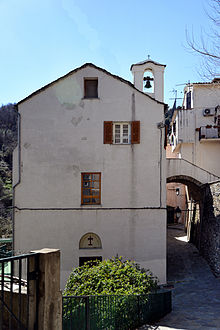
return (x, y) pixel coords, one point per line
(188, 100)
(121, 133)
(174, 127)
(91, 188)
(172, 140)
(93, 261)
(90, 88)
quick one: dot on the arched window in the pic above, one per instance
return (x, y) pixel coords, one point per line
(90, 241)
(148, 82)
(172, 140)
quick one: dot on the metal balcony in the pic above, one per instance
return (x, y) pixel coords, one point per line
(209, 132)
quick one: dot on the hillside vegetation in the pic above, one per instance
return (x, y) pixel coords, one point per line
(8, 141)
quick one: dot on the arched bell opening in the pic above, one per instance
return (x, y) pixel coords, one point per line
(148, 82)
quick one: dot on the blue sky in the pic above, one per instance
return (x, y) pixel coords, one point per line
(42, 40)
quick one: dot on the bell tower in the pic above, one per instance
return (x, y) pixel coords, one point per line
(149, 78)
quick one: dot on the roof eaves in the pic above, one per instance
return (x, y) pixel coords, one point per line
(53, 82)
(82, 67)
(147, 61)
(207, 83)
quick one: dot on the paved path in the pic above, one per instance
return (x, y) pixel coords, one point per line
(196, 292)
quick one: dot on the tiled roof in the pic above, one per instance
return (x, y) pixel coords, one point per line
(214, 81)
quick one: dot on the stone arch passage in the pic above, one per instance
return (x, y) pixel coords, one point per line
(190, 224)
(194, 206)
(195, 187)
(203, 229)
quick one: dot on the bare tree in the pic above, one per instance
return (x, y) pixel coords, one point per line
(208, 45)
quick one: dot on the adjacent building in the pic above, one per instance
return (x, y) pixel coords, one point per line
(195, 140)
(196, 126)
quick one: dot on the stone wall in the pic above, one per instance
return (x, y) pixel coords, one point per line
(210, 227)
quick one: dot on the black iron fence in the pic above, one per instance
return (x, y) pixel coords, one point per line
(4, 252)
(16, 277)
(114, 311)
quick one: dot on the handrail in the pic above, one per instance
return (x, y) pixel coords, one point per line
(187, 161)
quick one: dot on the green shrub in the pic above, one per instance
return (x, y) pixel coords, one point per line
(110, 277)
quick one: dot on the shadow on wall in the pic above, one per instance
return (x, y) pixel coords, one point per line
(205, 229)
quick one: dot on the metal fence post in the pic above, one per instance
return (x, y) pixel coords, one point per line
(87, 313)
(139, 310)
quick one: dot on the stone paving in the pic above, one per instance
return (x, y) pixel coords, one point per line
(196, 292)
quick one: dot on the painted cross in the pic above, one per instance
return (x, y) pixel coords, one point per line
(90, 239)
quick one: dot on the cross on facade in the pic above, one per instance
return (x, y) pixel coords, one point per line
(90, 239)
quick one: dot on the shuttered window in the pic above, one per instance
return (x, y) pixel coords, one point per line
(91, 188)
(108, 132)
(121, 132)
(188, 100)
(135, 132)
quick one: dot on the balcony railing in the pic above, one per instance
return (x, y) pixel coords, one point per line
(209, 132)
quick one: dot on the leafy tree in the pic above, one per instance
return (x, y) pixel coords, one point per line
(8, 131)
(110, 277)
(8, 141)
(208, 45)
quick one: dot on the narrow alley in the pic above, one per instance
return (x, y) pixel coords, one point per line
(196, 291)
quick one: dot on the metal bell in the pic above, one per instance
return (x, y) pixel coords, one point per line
(148, 84)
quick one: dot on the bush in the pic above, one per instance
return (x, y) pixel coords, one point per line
(110, 277)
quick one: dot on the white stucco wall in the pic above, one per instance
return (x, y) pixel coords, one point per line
(62, 136)
(206, 95)
(205, 152)
(138, 235)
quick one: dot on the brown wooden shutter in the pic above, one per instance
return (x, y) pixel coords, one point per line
(108, 126)
(165, 137)
(135, 132)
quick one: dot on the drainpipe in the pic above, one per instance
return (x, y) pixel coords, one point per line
(201, 211)
(19, 175)
(160, 126)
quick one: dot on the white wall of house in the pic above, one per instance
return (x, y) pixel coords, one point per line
(62, 136)
(138, 235)
(206, 95)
